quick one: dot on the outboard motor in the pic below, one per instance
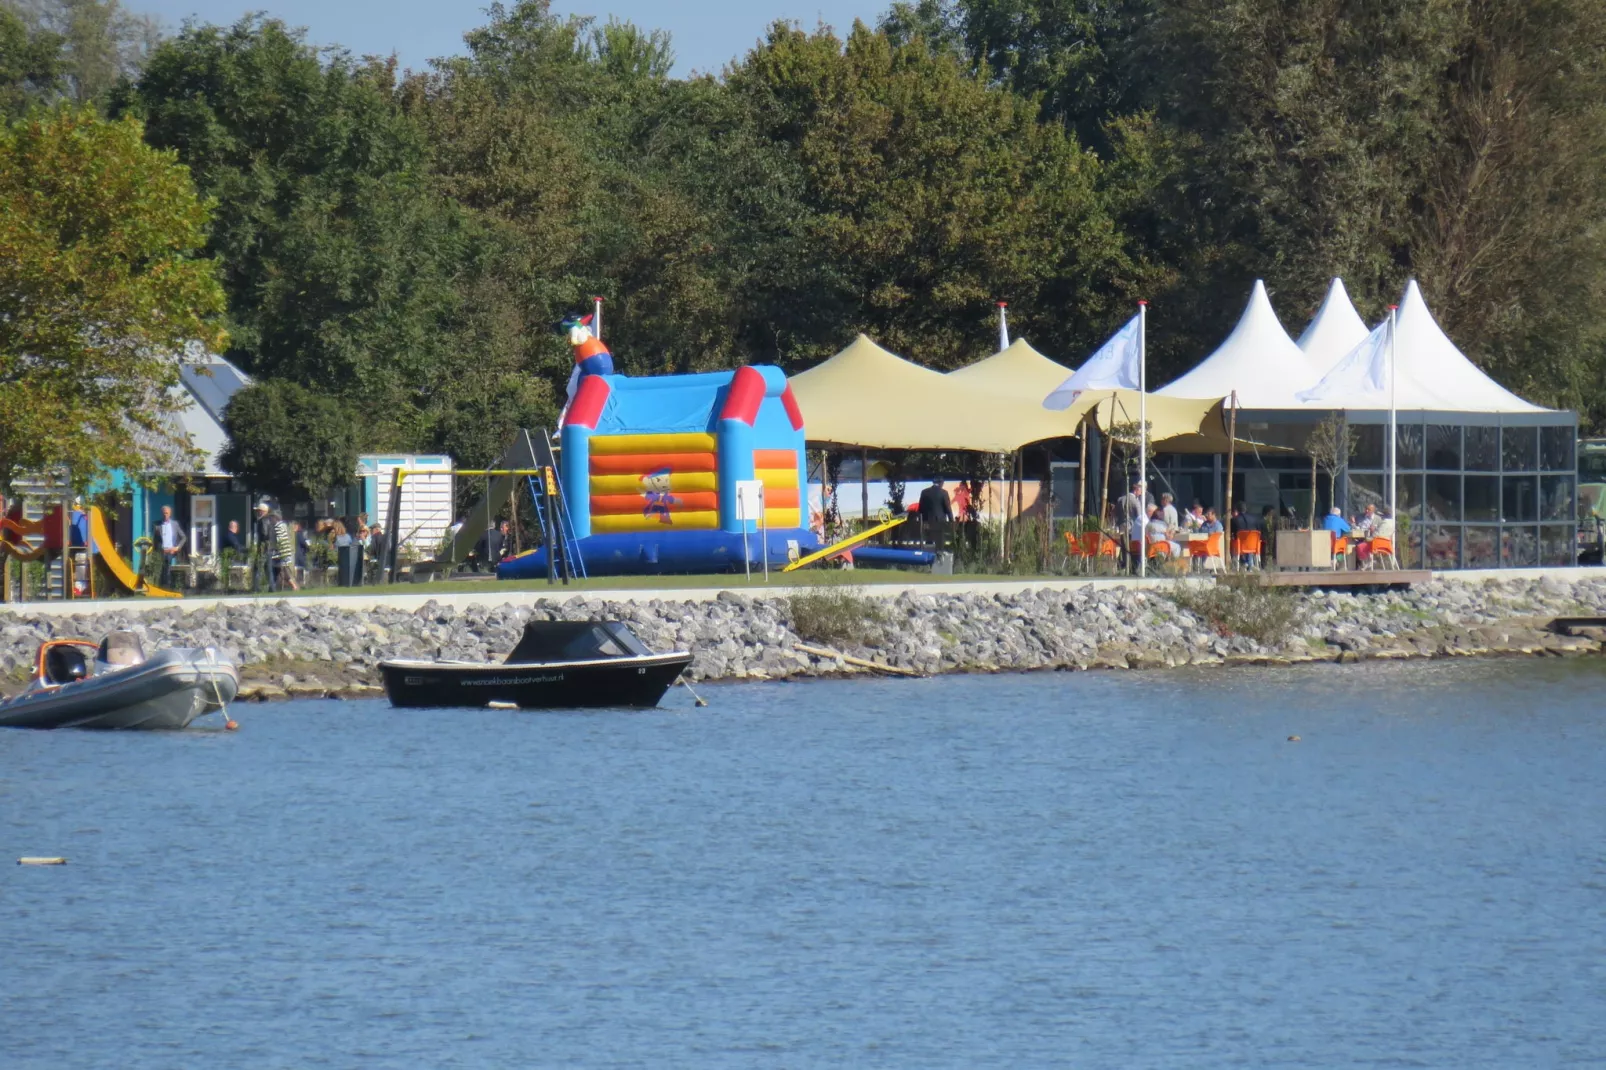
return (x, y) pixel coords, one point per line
(121, 649)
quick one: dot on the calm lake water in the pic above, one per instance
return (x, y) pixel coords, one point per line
(1088, 870)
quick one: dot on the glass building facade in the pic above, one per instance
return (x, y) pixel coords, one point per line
(1477, 491)
(1474, 490)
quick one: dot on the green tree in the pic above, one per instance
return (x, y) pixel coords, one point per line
(31, 65)
(340, 259)
(932, 194)
(102, 41)
(101, 295)
(291, 441)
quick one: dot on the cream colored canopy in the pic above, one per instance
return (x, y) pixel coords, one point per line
(866, 396)
(1018, 371)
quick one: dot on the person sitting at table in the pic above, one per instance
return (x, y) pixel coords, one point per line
(1374, 525)
(1194, 518)
(1211, 524)
(1367, 523)
(1159, 533)
(1168, 510)
(1334, 521)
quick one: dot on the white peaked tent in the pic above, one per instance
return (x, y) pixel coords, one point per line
(1258, 362)
(1336, 329)
(1429, 373)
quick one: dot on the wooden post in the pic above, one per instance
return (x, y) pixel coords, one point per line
(66, 550)
(1109, 455)
(864, 486)
(1081, 478)
(1232, 454)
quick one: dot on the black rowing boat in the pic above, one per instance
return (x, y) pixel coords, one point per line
(557, 665)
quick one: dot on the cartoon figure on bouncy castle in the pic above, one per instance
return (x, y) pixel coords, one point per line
(649, 468)
(591, 357)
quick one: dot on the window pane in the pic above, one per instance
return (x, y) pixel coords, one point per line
(1519, 499)
(1482, 546)
(1557, 498)
(1444, 547)
(1483, 449)
(1519, 449)
(1409, 439)
(1444, 497)
(1482, 497)
(1519, 547)
(1444, 447)
(1556, 544)
(1364, 491)
(1556, 449)
(1368, 446)
(1408, 494)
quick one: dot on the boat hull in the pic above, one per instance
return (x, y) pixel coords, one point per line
(613, 682)
(167, 691)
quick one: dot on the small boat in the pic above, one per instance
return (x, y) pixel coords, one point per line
(557, 664)
(79, 684)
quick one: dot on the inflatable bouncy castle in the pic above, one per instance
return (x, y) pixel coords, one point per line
(649, 469)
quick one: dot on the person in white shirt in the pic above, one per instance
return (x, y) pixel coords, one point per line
(1168, 511)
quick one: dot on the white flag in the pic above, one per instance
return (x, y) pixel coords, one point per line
(1116, 366)
(1362, 374)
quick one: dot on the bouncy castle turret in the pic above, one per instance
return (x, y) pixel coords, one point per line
(591, 357)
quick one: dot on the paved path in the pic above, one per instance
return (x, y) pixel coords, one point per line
(408, 597)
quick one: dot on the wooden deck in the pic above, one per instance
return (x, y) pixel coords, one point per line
(1362, 578)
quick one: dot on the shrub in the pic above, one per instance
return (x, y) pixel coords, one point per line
(1238, 605)
(830, 612)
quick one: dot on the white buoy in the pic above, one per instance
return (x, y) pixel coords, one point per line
(27, 860)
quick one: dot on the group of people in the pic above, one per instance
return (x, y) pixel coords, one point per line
(1372, 524)
(287, 545)
(1162, 524)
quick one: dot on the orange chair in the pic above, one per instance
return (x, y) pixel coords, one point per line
(1073, 549)
(1246, 547)
(1340, 551)
(1382, 549)
(1096, 544)
(1212, 550)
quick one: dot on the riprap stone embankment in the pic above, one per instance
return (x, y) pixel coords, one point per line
(328, 649)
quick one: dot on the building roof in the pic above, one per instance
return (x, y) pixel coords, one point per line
(209, 385)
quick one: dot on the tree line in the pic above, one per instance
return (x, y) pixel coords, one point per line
(394, 247)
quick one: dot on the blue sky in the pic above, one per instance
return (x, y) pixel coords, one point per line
(707, 33)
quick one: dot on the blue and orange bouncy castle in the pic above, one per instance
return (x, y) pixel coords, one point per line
(649, 469)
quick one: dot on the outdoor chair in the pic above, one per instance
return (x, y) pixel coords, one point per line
(1090, 547)
(1211, 559)
(1382, 550)
(1246, 548)
(1341, 550)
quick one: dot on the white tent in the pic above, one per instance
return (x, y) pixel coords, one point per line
(1430, 372)
(1258, 362)
(1335, 330)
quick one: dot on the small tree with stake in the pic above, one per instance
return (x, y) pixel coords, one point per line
(1329, 445)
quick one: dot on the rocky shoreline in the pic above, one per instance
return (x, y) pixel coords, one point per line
(326, 650)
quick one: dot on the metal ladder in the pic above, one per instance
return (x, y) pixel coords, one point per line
(541, 449)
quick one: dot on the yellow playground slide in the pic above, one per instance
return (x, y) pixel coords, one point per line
(106, 548)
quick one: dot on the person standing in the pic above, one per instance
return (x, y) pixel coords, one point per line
(1168, 511)
(376, 551)
(936, 513)
(281, 556)
(169, 540)
(262, 539)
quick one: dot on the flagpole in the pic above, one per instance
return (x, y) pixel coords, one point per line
(1143, 437)
(1003, 326)
(1393, 440)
